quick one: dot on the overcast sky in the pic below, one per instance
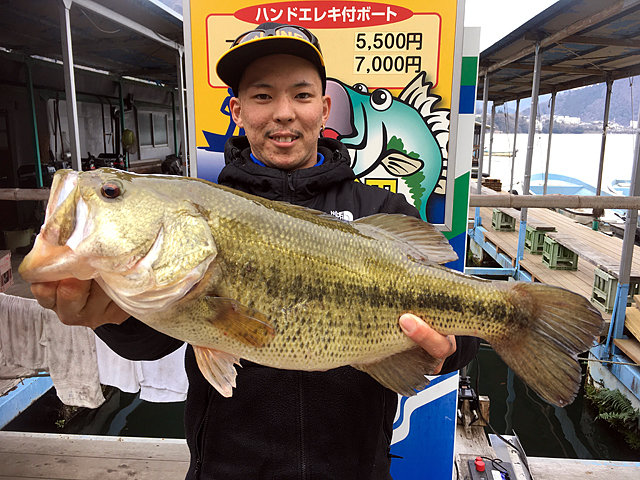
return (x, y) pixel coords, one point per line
(498, 18)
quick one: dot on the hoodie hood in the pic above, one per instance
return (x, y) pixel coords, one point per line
(242, 173)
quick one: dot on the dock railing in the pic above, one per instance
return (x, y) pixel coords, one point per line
(475, 200)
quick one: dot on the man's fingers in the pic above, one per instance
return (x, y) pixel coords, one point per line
(78, 302)
(436, 345)
(115, 314)
(71, 299)
(45, 293)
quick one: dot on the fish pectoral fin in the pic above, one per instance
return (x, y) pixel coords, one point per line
(404, 372)
(400, 164)
(218, 368)
(416, 238)
(242, 323)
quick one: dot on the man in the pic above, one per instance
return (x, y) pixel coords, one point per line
(278, 424)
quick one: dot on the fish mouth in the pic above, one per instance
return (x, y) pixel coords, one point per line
(52, 257)
(340, 122)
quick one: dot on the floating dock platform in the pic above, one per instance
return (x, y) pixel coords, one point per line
(85, 457)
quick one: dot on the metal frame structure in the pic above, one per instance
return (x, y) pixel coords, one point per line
(573, 43)
(70, 89)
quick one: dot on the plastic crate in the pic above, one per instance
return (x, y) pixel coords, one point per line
(502, 222)
(603, 294)
(558, 257)
(534, 241)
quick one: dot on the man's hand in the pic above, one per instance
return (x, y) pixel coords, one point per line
(437, 345)
(78, 302)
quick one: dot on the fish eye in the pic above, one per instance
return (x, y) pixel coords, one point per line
(110, 190)
(381, 99)
(361, 88)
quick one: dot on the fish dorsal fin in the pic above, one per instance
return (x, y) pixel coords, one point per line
(418, 239)
(218, 368)
(400, 164)
(404, 372)
(241, 323)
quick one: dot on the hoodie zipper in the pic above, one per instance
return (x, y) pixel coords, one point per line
(290, 182)
(303, 459)
(200, 437)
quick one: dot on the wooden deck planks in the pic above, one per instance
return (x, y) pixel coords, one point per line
(580, 281)
(604, 249)
(630, 347)
(570, 469)
(83, 457)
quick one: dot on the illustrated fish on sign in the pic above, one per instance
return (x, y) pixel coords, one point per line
(407, 136)
(238, 276)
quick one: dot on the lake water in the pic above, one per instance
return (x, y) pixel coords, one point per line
(573, 155)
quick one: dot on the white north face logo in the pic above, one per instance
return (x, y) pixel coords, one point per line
(344, 215)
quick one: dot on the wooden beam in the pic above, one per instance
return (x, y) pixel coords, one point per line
(554, 201)
(577, 70)
(608, 42)
(24, 193)
(630, 347)
(615, 8)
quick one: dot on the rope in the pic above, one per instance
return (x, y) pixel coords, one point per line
(577, 55)
(96, 25)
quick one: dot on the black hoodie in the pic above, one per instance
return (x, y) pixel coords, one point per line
(287, 424)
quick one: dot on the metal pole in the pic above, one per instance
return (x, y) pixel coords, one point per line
(628, 241)
(532, 124)
(605, 125)
(532, 132)
(188, 157)
(126, 154)
(36, 142)
(70, 84)
(485, 95)
(493, 118)
(104, 130)
(546, 170)
(477, 220)
(175, 127)
(515, 138)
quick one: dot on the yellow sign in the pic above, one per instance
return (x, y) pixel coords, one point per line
(392, 58)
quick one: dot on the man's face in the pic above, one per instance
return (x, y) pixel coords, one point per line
(281, 108)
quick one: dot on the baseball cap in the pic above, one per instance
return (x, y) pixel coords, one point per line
(269, 39)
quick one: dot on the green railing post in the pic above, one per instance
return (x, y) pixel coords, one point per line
(36, 143)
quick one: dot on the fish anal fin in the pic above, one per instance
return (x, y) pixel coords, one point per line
(399, 164)
(240, 322)
(218, 368)
(418, 239)
(404, 372)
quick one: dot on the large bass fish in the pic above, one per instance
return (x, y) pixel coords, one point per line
(238, 276)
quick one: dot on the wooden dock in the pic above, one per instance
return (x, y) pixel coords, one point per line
(595, 250)
(88, 457)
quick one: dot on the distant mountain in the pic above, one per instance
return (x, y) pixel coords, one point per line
(587, 103)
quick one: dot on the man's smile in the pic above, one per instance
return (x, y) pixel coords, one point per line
(284, 137)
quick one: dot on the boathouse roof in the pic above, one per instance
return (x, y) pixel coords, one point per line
(32, 27)
(582, 42)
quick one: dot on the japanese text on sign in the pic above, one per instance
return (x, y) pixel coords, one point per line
(391, 41)
(351, 14)
(387, 42)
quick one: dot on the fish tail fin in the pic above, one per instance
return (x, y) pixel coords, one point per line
(544, 350)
